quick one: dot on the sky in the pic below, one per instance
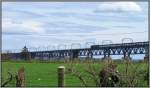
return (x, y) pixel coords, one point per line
(59, 25)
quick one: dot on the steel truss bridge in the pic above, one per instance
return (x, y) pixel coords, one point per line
(125, 49)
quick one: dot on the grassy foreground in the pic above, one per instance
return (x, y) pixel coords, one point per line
(45, 74)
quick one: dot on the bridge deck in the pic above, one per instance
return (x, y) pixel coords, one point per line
(94, 50)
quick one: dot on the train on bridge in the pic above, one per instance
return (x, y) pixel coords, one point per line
(125, 49)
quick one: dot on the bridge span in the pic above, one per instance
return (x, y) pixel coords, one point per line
(125, 49)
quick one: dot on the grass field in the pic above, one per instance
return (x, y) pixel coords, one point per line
(45, 74)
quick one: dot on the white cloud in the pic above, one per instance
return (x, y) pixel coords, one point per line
(71, 25)
(119, 6)
(10, 25)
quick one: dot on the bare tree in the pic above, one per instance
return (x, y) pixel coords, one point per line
(20, 77)
(8, 80)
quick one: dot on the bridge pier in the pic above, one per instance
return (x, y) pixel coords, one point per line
(106, 57)
(126, 56)
(61, 55)
(107, 54)
(41, 56)
(74, 54)
(90, 54)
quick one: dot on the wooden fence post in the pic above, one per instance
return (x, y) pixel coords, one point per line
(61, 76)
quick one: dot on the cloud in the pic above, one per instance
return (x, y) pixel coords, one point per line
(119, 7)
(26, 26)
(48, 24)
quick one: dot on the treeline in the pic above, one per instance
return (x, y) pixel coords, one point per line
(25, 55)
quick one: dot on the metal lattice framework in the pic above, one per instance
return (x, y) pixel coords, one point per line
(125, 49)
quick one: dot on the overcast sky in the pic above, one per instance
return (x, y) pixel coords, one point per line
(38, 24)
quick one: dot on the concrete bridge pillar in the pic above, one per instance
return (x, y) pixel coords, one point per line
(41, 56)
(106, 55)
(126, 56)
(61, 55)
(74, 54)
(90, 54)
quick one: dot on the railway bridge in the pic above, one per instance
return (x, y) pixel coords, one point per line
(125, 49)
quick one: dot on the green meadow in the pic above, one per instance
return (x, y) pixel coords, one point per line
(45, 74)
